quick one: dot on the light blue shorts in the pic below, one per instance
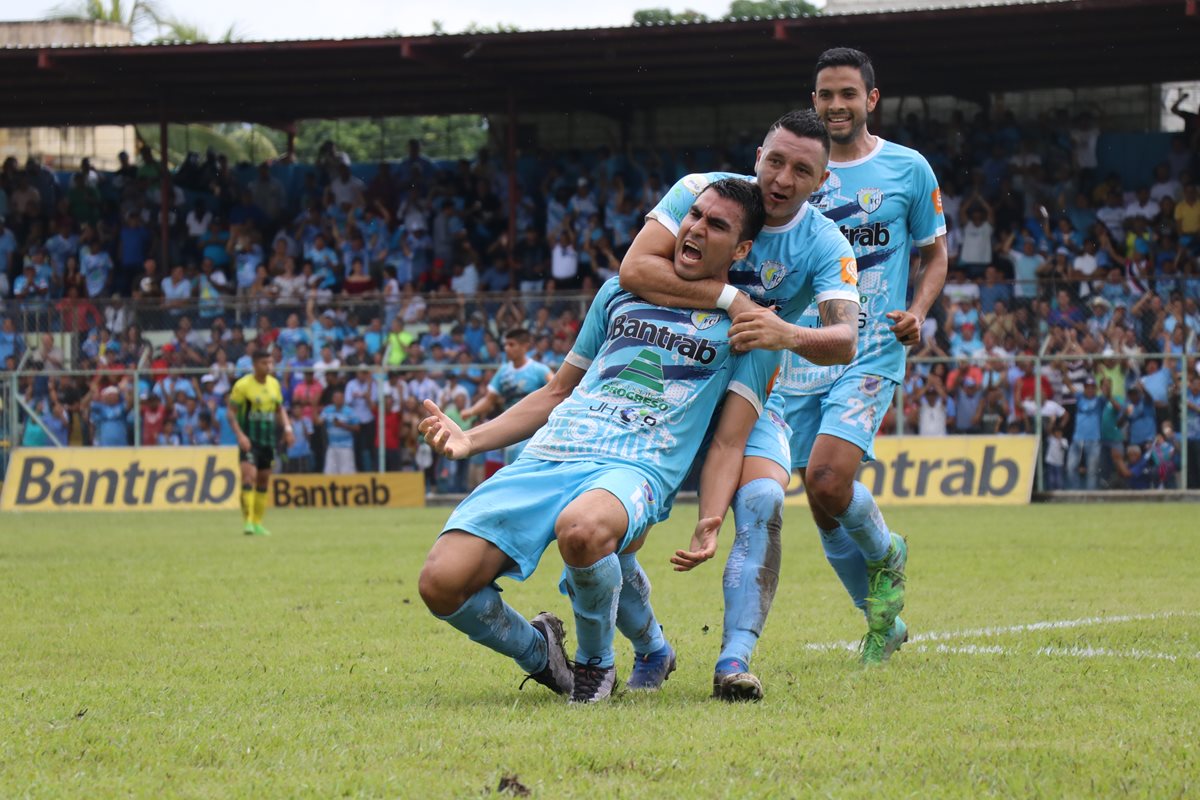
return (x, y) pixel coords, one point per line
(516, 508)
(852, 410)
(771, 436)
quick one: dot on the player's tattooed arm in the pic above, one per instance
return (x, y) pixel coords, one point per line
(835, 342)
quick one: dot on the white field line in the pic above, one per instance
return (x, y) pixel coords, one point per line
(1066, 652)
(1046, 625)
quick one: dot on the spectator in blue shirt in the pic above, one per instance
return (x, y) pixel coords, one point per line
(1085, 445)
(340, 424)
(1143, 422)
(1193, 432)
(110, 419)
(133, 245)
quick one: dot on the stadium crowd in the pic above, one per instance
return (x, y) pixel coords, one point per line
(342, 269)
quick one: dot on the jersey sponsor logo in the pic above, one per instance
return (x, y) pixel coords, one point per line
(645, 370)
(633, 395)
(703, 320)
(874, 235)
(771, 274)
(869, 200)
(631, 327)
(850, 271)
(626, 415)
(937, 200)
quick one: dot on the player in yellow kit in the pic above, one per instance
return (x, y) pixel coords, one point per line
(256, 414)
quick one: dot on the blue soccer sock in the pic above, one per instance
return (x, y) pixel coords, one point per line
(864, 524)
(594, 593)
(847, 561)
(752, 571)
(487, 619)
(635, 616)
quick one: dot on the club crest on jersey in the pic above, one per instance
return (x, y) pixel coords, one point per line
(703, 320)
(695, 183)
(869, 200)
(871, 385)
(771, 274)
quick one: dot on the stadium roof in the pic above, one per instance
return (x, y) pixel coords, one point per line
(964, 51)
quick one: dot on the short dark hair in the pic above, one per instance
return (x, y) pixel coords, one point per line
(846, 57)
(517, 335)
(749, 197)
(805, 124)
(260, 354)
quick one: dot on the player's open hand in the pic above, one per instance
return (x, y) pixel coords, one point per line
(704, 545)
(289, 437)
(907, 328)
(243, 442)
(443, 433)
(760, 329)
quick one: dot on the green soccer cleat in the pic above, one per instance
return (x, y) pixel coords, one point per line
(885, 587)
(248, 529)
(259, 530)
(877, 648)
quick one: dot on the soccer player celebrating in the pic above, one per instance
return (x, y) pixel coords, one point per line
(617, 429)
(256, 414)
(516, 378)
(886, 200)
(798, 247)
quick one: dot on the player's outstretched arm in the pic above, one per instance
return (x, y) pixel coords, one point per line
(515, 425)
(835, 342)
(719, 479)
(648, 270)
(928, 288)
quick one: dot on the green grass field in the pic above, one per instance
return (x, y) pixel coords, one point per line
(156, 655)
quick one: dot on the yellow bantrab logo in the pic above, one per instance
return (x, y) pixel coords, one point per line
(703, 320)
(869, 200)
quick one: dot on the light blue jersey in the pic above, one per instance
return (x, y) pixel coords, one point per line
(791, 266)
(512, 384)
(885, 204)
(655, 377)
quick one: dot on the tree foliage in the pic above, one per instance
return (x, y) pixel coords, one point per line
(453, 136)
(142, 17)
(770, 8)
(737, 10)
(659, 16)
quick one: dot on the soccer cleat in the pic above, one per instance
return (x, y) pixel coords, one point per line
(885, 587)
(877, 648)
(593, 682)
(259, 530)
(248, 529)
(649, 671)
(735, 687)
(557, 675)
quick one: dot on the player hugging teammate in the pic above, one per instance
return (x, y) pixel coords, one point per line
(807, 285)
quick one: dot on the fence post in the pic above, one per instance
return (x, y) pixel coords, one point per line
(1037, 421)
(380, 422)
(1183, 422)
(899, 400)
(137, 408)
